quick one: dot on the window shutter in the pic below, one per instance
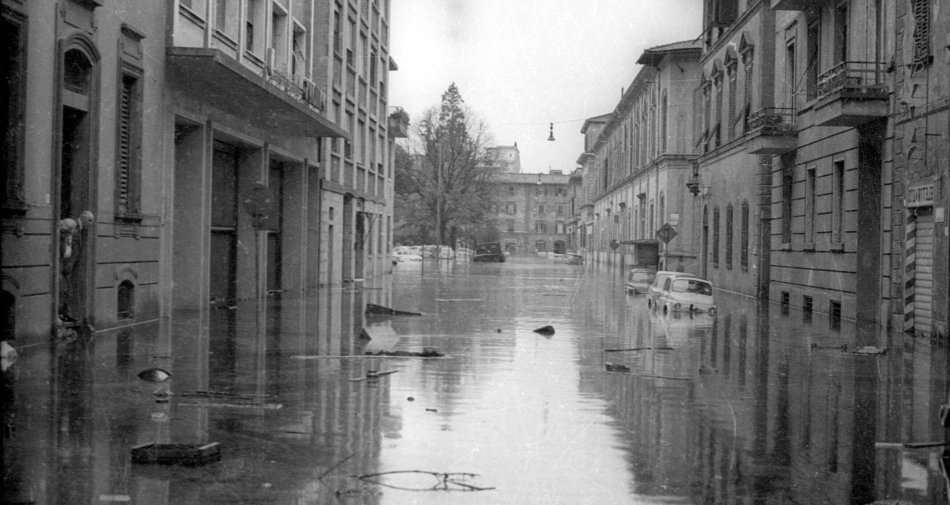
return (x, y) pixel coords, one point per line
(123, 175)
(922, 54)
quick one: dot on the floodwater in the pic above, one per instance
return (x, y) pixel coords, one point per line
(617, 406)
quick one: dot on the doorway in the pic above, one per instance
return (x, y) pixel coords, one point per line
(224, 209)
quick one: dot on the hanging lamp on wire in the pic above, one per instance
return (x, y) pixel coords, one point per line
(551, 134)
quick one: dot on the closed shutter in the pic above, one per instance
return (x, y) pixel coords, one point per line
(923, 273)
(124, 147)
(921, 31)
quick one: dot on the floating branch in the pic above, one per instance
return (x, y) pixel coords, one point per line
(445, 481)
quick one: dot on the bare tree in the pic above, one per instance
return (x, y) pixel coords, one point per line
(447, 185)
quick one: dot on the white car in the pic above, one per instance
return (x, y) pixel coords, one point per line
(686, 294)
(657, 286)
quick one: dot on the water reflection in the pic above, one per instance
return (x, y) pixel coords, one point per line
(752, 406)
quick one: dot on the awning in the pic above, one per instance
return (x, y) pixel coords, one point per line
(221, 82)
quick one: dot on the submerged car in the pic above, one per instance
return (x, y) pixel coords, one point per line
(653, 292)
(686, 294)
(489, 252)
(639, 280)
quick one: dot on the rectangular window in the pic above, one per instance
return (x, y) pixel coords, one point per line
(337, 33)
(729, 236)
(254, 27)
(837, 218)
(560, 210)
(541, 209)
(540, 227)
(744, 238)
(731, 132)
(922, 13)
(351, 51)
(785, 302)
(790, 84)
(13, 96)
(811, 188)
(747, 93)
(511, 226)
(841, 33)
(788, 172)
(814, 56)
(128, 147)
(715, 244)
(834, 314)
(806, 308)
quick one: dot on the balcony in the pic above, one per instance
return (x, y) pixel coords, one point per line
(851, 94)
(793, 5)
(273, 100)
(772, 131)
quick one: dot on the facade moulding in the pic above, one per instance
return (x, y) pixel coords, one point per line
(734, 28)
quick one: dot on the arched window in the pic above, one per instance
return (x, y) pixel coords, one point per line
(125, 303)
(729, 236)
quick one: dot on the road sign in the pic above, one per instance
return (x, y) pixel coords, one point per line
(666, 233)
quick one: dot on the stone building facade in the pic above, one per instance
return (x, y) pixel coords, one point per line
(642, 160)
(194, 154)
(533, 212)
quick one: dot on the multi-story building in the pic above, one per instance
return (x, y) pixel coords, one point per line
(917, 278)
(643, 160)
(82, 164)
(505, 159)
(533, 211)
(194, 152)
(830, 169)
(585, 189)
(740, 131)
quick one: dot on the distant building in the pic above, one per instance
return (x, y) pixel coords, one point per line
(506, 158)
(533, 211)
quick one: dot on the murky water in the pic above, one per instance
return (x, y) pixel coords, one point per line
(618, 405)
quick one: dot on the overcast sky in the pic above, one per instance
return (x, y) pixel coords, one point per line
(522, 64)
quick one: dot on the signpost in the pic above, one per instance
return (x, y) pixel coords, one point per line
(665, 234)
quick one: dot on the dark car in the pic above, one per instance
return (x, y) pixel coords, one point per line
(489, 252)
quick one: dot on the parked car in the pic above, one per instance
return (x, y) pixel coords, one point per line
(489, 251)
(639, 280)
(405, 256)
(654, 291)
(686, 294)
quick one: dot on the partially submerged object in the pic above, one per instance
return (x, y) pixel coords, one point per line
(177, 454)
(427, 352)
(379, 310)
(545, 330)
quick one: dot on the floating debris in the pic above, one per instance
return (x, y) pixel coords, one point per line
(444, 481)
(177, 454)
(373, 374)
(431, 410)
(545, 330)
(427, 352)
(869, 349)
(379, 310)
(640, 349)
(616, 367)
(154, 375)
(234, 405)
(410, 399)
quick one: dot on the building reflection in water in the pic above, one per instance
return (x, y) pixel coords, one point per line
(762, 406)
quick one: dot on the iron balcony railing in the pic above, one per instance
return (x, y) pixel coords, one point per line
(854, 77)
(298, 87)
(773, 121)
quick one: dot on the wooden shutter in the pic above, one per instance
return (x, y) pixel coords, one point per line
(922, 54)
(124, 161)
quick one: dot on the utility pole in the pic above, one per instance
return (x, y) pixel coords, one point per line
(438, 196)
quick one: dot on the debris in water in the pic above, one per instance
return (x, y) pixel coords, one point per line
(664, 348)
(410, 399)
(445, 481)
(378, 310)
(373, 374)
(545, 330)
(427, 352)
(177, 454)
(154, 375)
(869, 349)
(431, 410)
(616, 367)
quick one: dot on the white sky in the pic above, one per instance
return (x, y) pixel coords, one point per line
(522, 64)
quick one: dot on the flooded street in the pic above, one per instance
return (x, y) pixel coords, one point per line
(618, 405)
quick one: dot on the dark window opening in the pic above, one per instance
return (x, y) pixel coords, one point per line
(834, 314)
(786, 301)
(8, 316)
(125, 303)
(806, 308)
